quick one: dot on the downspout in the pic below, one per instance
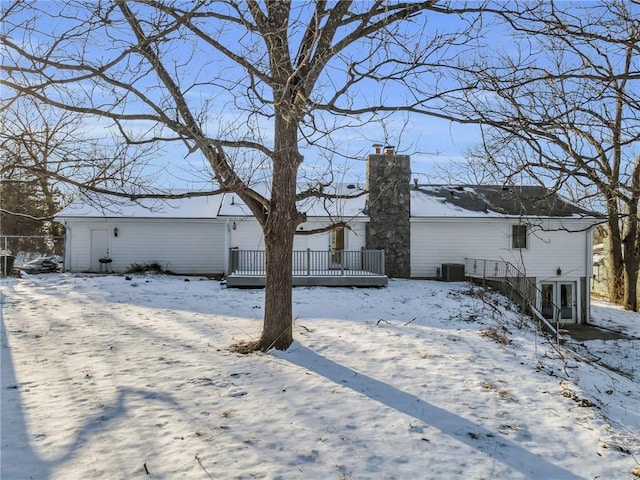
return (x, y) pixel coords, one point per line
(227, 243)
(589, 272)
(66, 262)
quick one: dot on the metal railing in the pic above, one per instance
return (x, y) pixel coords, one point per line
(480, 268)
(518, 281)
(312, 262)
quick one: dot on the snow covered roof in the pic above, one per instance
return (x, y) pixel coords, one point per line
(233, 206)
(106, 206)
(491, 201)
(427, 201)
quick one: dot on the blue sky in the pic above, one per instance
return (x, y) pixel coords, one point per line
(433, 143)
(216, 90)
(208, 78)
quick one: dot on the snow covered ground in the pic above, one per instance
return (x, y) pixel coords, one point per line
(107, 378)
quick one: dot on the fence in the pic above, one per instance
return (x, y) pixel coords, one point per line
(312, 262)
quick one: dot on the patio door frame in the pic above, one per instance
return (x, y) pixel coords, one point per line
(564, 297)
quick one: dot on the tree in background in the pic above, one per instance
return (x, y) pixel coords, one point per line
(247, 86)
(560, 105)
(24, 215)
(47, 158)
(28, 199)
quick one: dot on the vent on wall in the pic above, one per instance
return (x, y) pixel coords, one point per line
(452, 272)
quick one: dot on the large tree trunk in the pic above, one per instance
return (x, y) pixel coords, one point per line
(631, 242)
(277, 331)
(616, 267)
(630, 301)
(279, 230)
(616, 261)
(624, 262)
(282, 216)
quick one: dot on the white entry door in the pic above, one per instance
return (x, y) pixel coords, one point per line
(99, 247)
(558, 301)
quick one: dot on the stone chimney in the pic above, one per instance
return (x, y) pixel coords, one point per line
(389, 182)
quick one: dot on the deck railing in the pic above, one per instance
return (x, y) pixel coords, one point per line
(312, 262)
(512, 276)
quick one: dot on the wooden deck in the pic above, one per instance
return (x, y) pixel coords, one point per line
(332, 268)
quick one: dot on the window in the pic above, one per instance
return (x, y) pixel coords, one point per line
(518, 236)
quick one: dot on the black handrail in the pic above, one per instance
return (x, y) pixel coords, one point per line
(523, 285)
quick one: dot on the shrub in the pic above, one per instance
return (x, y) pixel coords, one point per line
(145, 267)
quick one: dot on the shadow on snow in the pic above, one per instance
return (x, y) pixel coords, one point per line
(489, 443)
(19, 456)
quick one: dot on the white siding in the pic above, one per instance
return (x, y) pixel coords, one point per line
(248, 236)
(181, 246)
(77, 257)
(356, 237)
(318, 241)
(439, 241)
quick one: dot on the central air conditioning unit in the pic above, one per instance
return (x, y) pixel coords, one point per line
(452, 272)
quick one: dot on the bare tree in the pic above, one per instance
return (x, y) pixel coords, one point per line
(246, 85)
(45, 154)
(52, 149)
(561, 106)
(27, 139)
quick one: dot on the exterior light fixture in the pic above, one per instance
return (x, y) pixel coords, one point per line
(234, 226)
(559, 271)
(115, 232)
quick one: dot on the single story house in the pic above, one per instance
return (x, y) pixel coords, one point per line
(398, 228)
(193, 235)
(183, 236)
